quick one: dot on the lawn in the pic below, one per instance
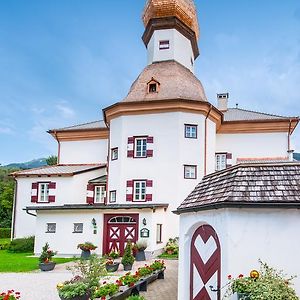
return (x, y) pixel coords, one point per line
(21, 262)
(168, 256)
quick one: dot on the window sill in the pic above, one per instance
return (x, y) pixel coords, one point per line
(159, 242)
(77, 232)
(50, 232)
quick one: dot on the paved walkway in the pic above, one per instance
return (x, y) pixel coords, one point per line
(42, 285)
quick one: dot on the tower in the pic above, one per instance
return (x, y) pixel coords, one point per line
(171, 31)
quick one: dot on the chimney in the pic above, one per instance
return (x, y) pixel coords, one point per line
(291, 155)
(223, 101)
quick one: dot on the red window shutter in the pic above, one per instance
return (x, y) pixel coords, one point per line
(229, 160)
(34, 192)
(129, 183)
(131, 140)
(52, 188)
(90, 194)
(52, 185)
(130, 153)
(148, 197)
(150, 140)
(129, 197)
(149, 183)
(229, 155)
(149, 153)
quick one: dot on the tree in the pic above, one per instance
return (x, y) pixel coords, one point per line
(51, 160)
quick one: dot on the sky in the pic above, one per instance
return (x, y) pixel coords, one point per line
(62, 61)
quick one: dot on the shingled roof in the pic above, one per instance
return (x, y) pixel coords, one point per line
(85, 126)
(263, 185)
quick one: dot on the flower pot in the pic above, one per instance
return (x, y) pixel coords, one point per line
(112, 267)
(127, 267)
(140, 255)
(45, 267)
(84, 297)
(242, 296)
(85, 254)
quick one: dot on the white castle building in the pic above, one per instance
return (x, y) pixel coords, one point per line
(122, 177)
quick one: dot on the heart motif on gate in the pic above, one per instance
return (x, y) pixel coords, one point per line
(205, 264)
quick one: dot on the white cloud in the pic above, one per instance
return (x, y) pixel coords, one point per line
(6, 130)
(65, 111)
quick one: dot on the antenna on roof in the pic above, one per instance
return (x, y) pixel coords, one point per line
(236, 105)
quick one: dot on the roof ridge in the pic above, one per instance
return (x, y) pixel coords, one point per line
(263, 113)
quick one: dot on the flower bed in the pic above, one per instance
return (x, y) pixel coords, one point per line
(10, 295)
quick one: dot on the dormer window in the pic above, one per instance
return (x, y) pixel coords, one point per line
(164, 45)
(153, 86)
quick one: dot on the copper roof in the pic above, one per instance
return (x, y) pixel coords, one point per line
(247, 184)
(65, 170)
(184, 10)
(238, 114)
(90, 125)
(175, 82)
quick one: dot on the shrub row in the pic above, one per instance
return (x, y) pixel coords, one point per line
(25, 245)
(4, 233)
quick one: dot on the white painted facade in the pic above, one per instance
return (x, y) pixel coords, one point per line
(83, 151)
(180, 48)
(267, 145)
(245, 235)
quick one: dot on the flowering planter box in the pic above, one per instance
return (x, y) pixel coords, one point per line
(45, 267)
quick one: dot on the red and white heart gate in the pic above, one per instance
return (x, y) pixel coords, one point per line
(205, 267)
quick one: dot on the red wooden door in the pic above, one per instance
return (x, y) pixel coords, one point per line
(118, 229)
(205, 267)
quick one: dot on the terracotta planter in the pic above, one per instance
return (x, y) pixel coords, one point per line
(140, 255)
(112, 267)
(85, 254)
(127, 267)
(45, 267)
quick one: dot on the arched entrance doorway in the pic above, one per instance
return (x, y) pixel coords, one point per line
(205, 265)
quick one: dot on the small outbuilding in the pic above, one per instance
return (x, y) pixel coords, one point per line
(232, 219)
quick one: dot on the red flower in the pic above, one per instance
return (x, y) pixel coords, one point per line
(229, 277)
(131, 284)
(241, 276)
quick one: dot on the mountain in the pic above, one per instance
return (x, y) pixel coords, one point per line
(35, 163)
(297, 156)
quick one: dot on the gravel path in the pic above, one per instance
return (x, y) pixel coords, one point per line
(42, 285)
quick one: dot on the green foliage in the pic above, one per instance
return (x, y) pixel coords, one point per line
(128, 258)
(106, 290)
(46, 254)
(4, 244)
(172, 247)
(158, 265)
(86, 246)
(51, 160)
(4, 233)
(9, 295)
(70, 290)
(90, 270)
(136, 298)
(129, 279)
(114, 254)
(24, 245)
(271, 285)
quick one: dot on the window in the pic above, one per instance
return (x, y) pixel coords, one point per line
(158, 233)
(190, 131)
(139, 191)
(78, 228)
(51, 228)
(164, 45)
(113, 196)
(99, 194)
(43, 192)
(140, 147)
(221, 161)
(190, 172)
(114, 154)
(152, 87)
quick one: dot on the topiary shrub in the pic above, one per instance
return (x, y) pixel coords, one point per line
(24, 245)
(5, 233)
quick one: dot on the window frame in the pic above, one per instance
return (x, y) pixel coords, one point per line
(220, 154)
(140, 199)
(159, 233)
(185, 131)
(190, 166)
(112, 153)
(39, 191)
(77, 231)
(47, 227)
(110, 196)
(164, 45)
(137, 138)
(103, 187)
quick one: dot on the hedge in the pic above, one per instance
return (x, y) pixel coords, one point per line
(24, 245)
(4, 233)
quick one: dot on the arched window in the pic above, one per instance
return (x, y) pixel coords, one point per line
(153, 86)
(122, 219)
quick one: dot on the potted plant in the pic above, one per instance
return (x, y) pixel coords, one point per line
(86, 249)
(75, 289)
(140, 247)
(10, 295)
(172, 246)
(46, 263)
(111, 265)
(128, 259)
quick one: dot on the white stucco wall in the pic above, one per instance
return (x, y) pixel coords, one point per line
(69, 190)
(246, 235)
(83, 152)
(180, 48)
(242, 145)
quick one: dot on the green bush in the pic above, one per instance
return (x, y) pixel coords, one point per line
(24, 245)
(4, 233)
(135, 298)
(4, 244)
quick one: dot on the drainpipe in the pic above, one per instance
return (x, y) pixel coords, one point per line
(205, 140)
(29, 213)
(290, 151)
(58, 156)
(107, 166)
(14, 210)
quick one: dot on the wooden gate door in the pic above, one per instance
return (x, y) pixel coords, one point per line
(205, 266)
(118, 229)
